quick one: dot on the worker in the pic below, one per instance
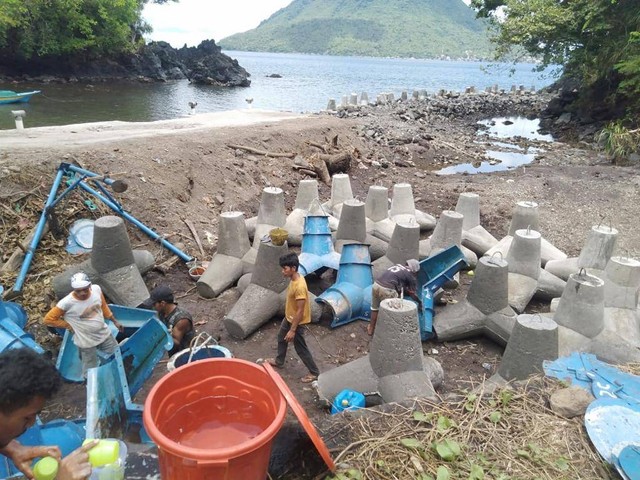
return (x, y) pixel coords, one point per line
(390, 284)
(176, 319)
(84, 311)
(27, 381)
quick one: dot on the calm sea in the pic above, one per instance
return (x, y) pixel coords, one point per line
(307, 82)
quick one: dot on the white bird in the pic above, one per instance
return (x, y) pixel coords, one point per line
(249, 101)
(193, 106)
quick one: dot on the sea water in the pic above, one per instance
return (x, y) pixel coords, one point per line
(307, 82)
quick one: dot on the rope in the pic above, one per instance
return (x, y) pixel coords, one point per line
(59, 101)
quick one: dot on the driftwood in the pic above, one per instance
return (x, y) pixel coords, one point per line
(317, 145)
(262, 152)
(320, 167)
(16, 258)
(311, 173)
(166, 266)
(196, 237)
(340, 162)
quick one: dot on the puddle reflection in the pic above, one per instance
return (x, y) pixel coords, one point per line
(506, 161)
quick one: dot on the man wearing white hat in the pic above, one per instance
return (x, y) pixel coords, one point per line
(390, 284)
(84, 311)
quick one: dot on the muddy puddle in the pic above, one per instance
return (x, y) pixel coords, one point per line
(509, 142)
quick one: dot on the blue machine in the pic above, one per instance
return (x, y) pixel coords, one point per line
(317, 246)
(111, 412)
(65, 434)
(350, 297)
(434, 273)
(13, 320)
(68, 362)
(601, 379)
(84, 179)
(613, 419)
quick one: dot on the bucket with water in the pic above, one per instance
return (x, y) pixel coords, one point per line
(215, 419)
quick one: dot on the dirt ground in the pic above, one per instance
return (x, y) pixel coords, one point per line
(194, 174)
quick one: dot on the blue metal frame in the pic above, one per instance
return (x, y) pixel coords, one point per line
(105, 197)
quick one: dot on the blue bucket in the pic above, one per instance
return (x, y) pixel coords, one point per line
(203, 353)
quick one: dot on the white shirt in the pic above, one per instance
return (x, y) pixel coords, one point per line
(86, 318)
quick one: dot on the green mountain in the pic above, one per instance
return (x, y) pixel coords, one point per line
(380, 28)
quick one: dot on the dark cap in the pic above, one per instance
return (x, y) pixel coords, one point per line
(162, 293)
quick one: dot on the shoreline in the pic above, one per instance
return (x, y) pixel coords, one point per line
(103, 132)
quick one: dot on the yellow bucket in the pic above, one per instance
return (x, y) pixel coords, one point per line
(278, 236)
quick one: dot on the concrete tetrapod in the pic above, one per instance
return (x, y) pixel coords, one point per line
(226, 266)
(376, 208)
(580, 317)
(307, 194)
(594, 256)
(448, 232)
(143, 259)
(486, 309)
(403, 246)
(621, 292)
(403, 210)
(395, 368)
(524, 268)
(340, 193)
(534, 339)
(112, 259)
(474, 235)
(352, 229)
(261, 300)
(526, 216)
(271, 213)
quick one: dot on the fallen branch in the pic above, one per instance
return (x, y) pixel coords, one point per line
(262, 152)
(340, 162)
(317, 145)
(196, 237)
(311, 173)
(320, 167)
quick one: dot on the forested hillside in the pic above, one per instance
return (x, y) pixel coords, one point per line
(398, 28)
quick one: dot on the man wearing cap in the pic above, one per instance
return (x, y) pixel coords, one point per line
(84, 311)
(390, 284)
(178, 321)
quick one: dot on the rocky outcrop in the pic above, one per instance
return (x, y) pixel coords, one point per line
(155, 62)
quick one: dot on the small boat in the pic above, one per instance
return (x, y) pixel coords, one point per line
(9, 96)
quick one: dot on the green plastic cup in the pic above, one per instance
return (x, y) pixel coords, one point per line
(45, 469)
(105, 453)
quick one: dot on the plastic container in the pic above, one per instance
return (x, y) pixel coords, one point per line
(204, 353)
(45, 469)
(214, 419)
(108, 459)
(347, 400)
(196, 272)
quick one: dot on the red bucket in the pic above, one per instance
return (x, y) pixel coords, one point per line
(215, 419)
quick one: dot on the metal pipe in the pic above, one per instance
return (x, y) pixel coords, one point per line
(127, 216)
(62, 195)
(87, 173)
(26, 263)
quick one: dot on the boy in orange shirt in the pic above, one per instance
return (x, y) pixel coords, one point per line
(297, 315)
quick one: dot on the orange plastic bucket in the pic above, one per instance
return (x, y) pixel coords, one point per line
(214, 419)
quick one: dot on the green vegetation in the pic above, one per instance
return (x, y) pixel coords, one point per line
(619, 141)
(89, 28)
(596, 41)
(382, 28)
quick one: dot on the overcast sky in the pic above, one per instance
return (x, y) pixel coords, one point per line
(191, 21)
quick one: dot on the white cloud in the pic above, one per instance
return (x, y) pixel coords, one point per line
(191, 21)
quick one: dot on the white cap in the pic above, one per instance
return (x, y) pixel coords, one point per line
(413, 265)
(80, 280)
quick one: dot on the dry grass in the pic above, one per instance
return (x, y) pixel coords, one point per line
(509, 434)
